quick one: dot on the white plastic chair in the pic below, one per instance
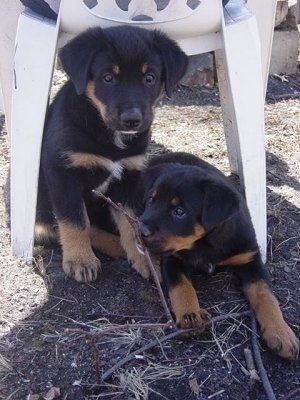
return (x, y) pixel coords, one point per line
(232, 33)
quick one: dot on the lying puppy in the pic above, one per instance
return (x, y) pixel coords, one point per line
(98, 127)
(195, 219)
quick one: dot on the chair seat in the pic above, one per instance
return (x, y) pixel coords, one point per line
(179, 19)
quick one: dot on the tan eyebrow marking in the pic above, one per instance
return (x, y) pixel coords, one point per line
(175, 201)
(116, 69)
(144, 68)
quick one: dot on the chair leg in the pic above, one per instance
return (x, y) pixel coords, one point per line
(241, 92)
(33, 68)
(9, 15)
(265, 15)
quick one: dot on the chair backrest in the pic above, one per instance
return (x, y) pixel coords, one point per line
(182, 20)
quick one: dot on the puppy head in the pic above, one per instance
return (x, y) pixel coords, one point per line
(182, 204)
(123, 71)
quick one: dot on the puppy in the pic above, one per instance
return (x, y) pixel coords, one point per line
(195, 220)
(98, 127)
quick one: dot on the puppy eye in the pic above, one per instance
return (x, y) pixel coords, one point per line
(149, 79)
(108, 78)
(179, 212)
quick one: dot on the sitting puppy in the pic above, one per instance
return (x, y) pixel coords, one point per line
(98, 127)
(195, 220)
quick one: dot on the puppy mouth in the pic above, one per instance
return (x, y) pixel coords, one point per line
(124, 132)
(123, 139)
(118, 128)
(156, 247)
(156, 250)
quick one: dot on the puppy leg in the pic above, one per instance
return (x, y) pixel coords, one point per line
(79, 260)
(275, 331)
(129, 244)
(67, 188)
(106, 243)
(183, 297)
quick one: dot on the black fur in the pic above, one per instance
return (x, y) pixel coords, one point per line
(196, 220)
(207, 198)
(105, 110)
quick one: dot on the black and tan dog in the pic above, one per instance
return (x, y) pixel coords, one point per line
(98, 127)
(195, 219)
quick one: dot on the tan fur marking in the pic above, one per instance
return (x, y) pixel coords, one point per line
(128, 242)
(116, 69)
(185, 305)
(91, 161)
(107, 243)
(90, 91)
(175, 201)
(79, 260)
(134, 162)
(177, 243)
(239, 259)
(144, 68)
(275, 331)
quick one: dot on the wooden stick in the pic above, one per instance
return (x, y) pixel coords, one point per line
(258, 360)
(134, 224)
(106, 375)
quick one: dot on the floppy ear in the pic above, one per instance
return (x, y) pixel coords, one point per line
(150, 175)
(77, 55)
(175, 61)
(219, 204)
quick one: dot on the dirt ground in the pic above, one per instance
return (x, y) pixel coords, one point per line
(45, 348)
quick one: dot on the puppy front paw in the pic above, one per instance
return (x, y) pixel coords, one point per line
(193, 320)
(142, 269)
(141, 265)
(280, 338)
(82, 270)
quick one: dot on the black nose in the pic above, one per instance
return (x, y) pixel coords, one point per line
(145, 230)
(131, 119)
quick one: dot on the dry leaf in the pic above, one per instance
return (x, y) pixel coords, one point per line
(194, 386)
(53, 393)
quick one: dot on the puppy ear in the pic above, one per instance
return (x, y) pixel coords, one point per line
(77, 55)
(150, 175)
(175, 61)
(220, 203)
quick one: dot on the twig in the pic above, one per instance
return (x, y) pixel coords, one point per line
(234, 315)
(147, 346)
(134, 224)
(216, 394)
(292, 394)
(257, 356)
(106, 375)
(252, 373)
(118, 207)
(286, 96)
(100, 332)
(97, 356)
